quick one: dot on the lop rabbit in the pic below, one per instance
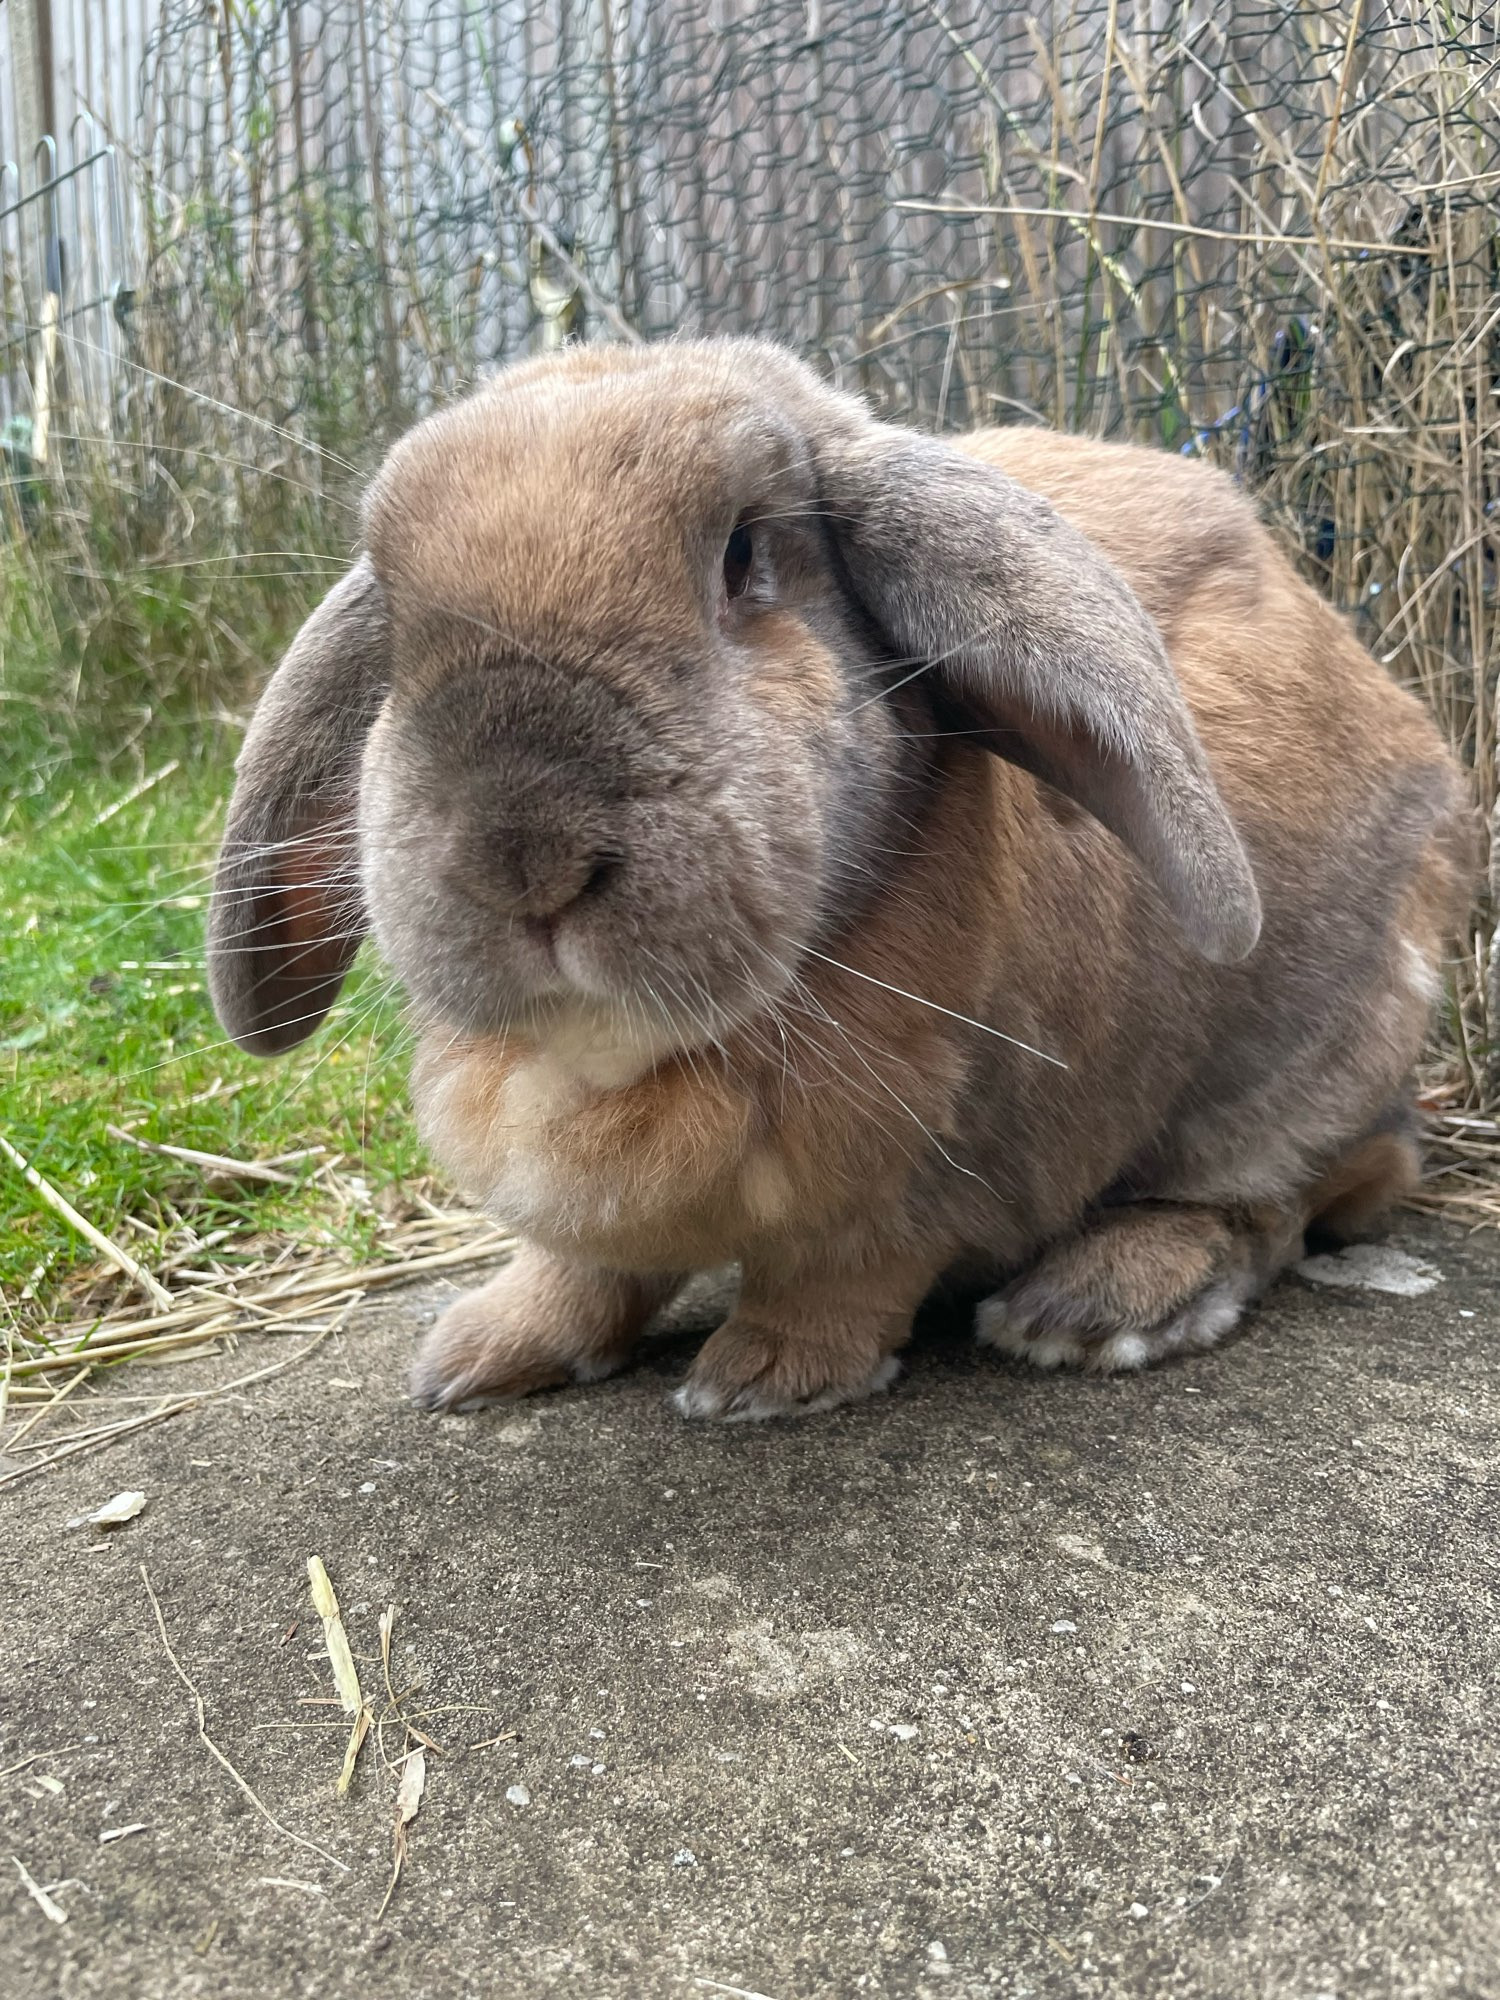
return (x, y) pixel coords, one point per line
(862, 858)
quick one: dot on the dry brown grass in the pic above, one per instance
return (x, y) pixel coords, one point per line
(305, 1295)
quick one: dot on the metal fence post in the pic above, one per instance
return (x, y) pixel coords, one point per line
(31, 77)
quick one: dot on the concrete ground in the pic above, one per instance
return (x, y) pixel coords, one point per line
(1004, 1685)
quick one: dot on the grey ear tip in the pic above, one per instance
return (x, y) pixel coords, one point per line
(268, 1037)
(273, 1041)
(1228, 934)
(251, 1025)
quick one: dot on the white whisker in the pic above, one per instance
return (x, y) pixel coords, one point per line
(967, 1019)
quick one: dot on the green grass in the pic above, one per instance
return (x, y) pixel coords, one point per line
(104, 1019)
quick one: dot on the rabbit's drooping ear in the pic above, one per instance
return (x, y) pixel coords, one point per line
(1033, 635)
(286, 917)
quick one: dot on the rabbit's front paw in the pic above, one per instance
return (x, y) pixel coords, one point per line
(748, 1371)
(477, 1353)
(540, 1323)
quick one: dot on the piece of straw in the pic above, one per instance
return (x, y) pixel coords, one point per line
(213, 1749)
(54, 1911)
(121, 1259)
(213, 1163)
(408, 1799)
(345, 1673)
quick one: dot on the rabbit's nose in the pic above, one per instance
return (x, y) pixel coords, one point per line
(524, 874)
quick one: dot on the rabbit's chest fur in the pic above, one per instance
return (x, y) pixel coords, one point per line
(610, 1157)
(645, 1161)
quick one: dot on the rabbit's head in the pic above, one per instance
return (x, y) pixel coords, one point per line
(641, 673)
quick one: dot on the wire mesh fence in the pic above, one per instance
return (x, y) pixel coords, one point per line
(1099, 213)
(1264, 233)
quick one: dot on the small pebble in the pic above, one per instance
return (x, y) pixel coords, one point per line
(1064, 1625)
(1139, 1910)
(937, 1952)
(517, 1795)
(684, 1858)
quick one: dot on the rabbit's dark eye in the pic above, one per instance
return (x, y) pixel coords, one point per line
(739, 554)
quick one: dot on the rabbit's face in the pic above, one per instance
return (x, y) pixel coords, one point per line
(623, 770)
(636, 687)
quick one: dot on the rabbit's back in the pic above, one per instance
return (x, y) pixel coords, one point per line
(1178, 530)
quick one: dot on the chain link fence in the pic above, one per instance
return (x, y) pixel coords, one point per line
(1264, 233)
